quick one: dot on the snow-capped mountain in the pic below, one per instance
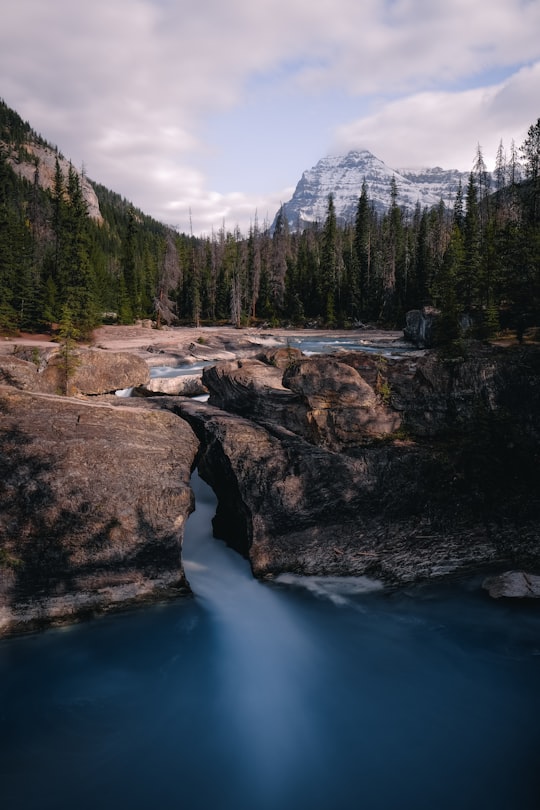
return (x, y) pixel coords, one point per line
(343, 175)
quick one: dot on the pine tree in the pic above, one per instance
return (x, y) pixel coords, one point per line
(500, 168)
(530, 150)
(329, 262)
(68, 334)
(132, 309)
(254, 266)
(483, 185)
(280, 254)
(468, 279)
(446, 286)
(459, 216)
(362, 245)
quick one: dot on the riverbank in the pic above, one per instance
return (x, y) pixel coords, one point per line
(139, 338)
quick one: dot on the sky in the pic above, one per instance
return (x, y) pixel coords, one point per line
(205, 113)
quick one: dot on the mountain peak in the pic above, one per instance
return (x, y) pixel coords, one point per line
(343, 176)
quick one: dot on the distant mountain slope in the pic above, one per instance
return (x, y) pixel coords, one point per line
(343, 175)
(33, 159)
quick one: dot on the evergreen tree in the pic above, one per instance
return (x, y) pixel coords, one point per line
(531, 157)
(459, 216)
(500, 168)
(254, 267)
(362, 244)
(468, 279)
(446, 287)
(280, 255)
(329, 262)
(68, 335)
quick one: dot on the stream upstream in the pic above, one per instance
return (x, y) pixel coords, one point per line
(311, 693)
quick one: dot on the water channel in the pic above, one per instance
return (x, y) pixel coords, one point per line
(299, 694)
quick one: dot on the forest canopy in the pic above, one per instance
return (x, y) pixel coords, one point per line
(480, 259)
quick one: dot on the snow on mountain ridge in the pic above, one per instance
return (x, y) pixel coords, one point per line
(343, 175)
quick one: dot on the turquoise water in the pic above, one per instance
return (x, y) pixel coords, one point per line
(300, 694)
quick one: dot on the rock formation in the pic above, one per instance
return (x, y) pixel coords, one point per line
(291, 506)
(93, 501)
(40, 166)
(420, 326)
(318, 473)
(324, 400)
(351, 464)
(513, 585)
(184, 385)
(84, 371)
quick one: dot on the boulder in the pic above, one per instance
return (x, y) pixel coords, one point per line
(282, 357)
(420, 326)
(252, 388)
(321, 398)
(203, 351)
(513, 585)
(83, 371)
(184, 385)
(19, 373)
(93, 501)
(342, 409)
(94, 371)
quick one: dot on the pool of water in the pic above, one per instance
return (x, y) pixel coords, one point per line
(314, 693)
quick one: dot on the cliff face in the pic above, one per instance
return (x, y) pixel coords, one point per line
(93, 501)
(320, 481)
(40, 167)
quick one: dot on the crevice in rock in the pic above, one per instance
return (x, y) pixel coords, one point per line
(232, 522)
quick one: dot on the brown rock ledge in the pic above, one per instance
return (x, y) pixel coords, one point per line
(93, 501)
(290, 506)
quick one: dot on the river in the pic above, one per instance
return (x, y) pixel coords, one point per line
(310, 694)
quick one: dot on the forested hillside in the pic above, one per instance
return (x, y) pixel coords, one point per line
(59, 265)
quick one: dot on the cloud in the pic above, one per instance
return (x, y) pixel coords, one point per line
(130, 87)
(444, 128)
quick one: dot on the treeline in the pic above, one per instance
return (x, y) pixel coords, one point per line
(56, 262)
(479, 261)
(58, 266)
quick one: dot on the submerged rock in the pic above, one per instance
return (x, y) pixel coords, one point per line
(93, 500)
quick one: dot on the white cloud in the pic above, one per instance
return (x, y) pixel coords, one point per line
(443, 128)
(127, 87)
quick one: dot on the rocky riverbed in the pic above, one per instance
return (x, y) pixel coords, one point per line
(350, 464)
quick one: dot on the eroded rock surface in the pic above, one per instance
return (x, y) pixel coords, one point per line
(93, 501)
(318, 473)
(513, 585)
(341, 408)
(323, 399)
(84, 371)
(184, 385)
(385, 511)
